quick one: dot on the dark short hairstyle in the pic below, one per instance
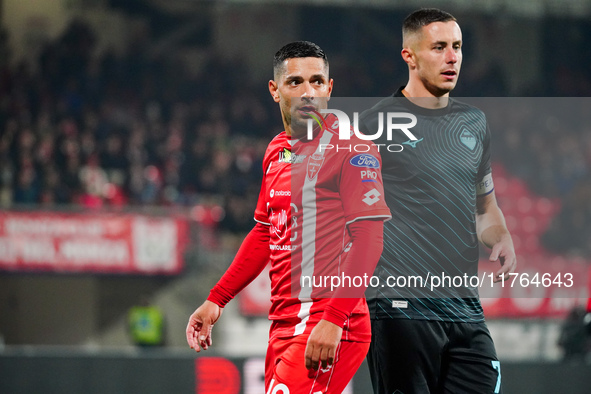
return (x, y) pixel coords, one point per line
(297, 49)
(423, 17)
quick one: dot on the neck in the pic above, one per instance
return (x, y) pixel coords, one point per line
(419, 95)
(295, 133)
(287, 127)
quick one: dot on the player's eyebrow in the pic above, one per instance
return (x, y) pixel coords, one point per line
(444, 43)
(299, 78)
(318, 76)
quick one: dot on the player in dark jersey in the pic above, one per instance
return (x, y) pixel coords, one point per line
(320, 211)
(440, 191)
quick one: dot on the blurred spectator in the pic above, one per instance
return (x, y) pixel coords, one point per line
(574, 339)
(94, 183)
(570, 232)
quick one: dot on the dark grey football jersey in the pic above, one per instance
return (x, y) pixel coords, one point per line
(430, 188)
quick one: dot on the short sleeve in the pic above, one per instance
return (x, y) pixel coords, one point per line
(361, 187)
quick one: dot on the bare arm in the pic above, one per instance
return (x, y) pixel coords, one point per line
(492, 232)
(251, 259)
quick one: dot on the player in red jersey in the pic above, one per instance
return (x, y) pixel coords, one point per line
(319, 215)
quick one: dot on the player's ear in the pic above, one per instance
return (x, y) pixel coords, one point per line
(274, 90)
(330, 82)
(408, 56)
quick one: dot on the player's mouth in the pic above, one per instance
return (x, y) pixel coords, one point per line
(307, 109)
(449, 75)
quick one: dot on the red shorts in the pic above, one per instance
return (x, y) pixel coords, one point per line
(286, 373)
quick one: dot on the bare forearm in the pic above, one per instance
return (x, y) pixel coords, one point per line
(490, 224)
(494, 234)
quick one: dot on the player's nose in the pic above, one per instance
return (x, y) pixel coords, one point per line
(308, 90)
(451, 56)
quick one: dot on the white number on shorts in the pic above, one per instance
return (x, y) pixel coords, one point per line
(279, 389)
(497, 365)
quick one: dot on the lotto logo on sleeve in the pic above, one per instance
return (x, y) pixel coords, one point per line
(371, 197)
(365, 160)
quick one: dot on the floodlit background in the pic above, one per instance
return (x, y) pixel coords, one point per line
(131, 140)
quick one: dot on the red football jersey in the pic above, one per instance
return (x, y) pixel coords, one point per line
(310, 191)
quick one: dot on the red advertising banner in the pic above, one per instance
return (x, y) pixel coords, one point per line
(99, 243)
(544, 286)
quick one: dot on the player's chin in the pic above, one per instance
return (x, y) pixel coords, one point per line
(448, 85)
(299, 121)
(299, 127)
(444, 89)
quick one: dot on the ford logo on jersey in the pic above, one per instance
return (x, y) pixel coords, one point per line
(365, 160)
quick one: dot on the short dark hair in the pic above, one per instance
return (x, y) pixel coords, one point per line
(297, 49)
(423, 17)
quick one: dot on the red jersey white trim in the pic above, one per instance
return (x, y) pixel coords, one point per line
(308, 195)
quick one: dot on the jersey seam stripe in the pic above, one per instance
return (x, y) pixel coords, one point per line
(388, 217)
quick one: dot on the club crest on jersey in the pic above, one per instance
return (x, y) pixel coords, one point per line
(286, 156)
(468, 139)
(314, 164)
(365, 160)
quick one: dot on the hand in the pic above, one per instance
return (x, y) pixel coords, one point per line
(504, 252)
(322, 345)
(200, 325)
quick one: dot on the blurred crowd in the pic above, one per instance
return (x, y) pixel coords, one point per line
(128, 130)
(139, 129)
(546, 142)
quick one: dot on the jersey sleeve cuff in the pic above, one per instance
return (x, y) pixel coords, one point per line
(219, 297)
(335, 316)
(258, 220)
